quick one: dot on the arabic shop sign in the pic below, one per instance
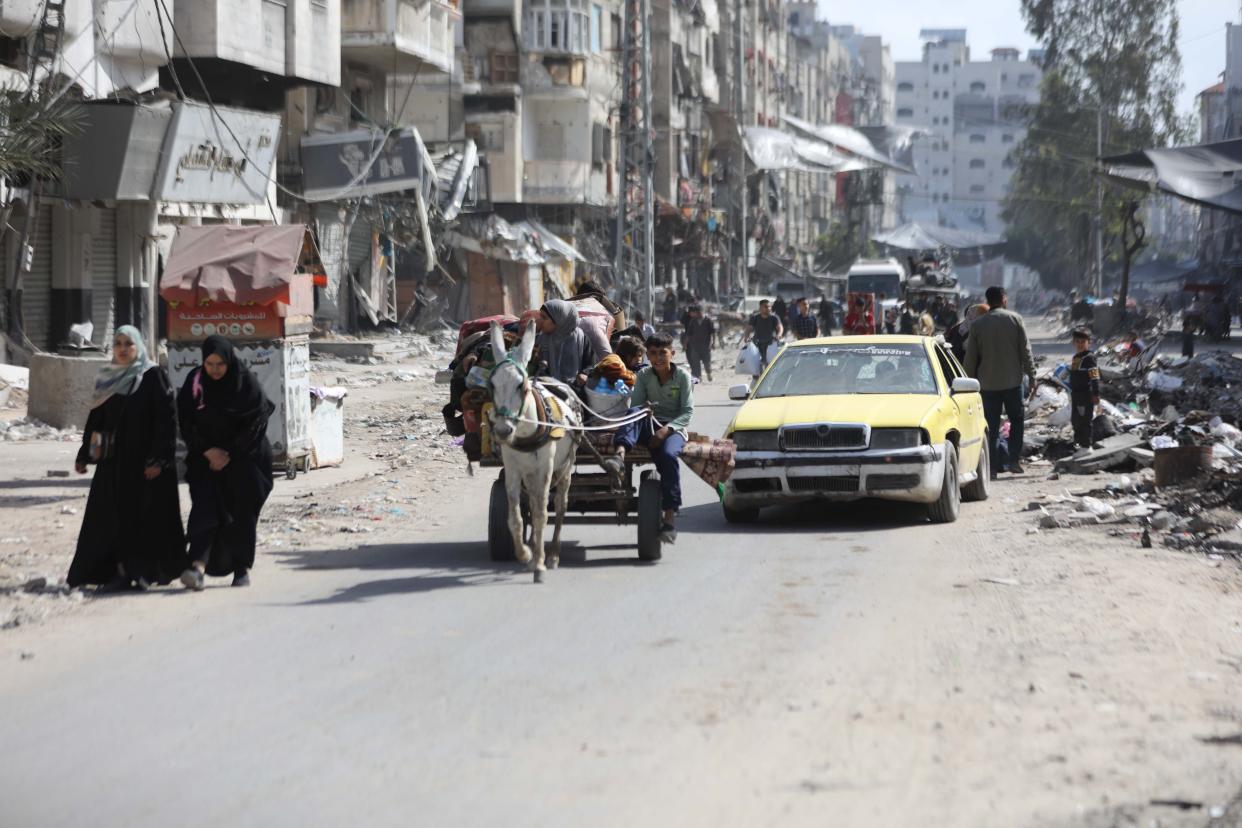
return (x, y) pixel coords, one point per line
(363, 162)
(225, 157)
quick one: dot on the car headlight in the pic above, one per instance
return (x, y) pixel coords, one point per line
(756, 440)
(896, 438)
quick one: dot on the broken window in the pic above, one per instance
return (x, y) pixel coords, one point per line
(558, 26)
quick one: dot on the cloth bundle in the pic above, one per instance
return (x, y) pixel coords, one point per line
(613, 368)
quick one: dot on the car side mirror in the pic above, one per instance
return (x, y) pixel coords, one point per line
(965, 385)
(739, 392)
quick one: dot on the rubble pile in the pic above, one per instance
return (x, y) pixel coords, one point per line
(28, 428)
(1170, 427)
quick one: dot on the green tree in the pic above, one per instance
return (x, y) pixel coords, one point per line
(1111, 68)
(31, 134)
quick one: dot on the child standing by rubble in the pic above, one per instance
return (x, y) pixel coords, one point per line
(1084, 389)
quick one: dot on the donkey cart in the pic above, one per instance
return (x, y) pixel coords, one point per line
(593, 491)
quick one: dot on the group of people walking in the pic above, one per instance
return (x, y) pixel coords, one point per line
(132, 536)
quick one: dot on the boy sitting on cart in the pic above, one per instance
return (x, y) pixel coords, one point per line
(665, 388)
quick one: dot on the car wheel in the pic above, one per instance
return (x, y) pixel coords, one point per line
(947, 506)
(977, 490)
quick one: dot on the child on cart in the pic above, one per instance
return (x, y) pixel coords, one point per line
(665, 389)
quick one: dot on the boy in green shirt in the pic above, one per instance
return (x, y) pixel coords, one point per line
(665, 388)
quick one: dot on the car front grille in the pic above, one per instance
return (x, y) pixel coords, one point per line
(891, 482)
(825, 436)
(756, 485)
(835, 484)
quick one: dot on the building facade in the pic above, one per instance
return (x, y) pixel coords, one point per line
(977, 112)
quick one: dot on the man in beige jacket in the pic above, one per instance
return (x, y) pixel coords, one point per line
(998, 354)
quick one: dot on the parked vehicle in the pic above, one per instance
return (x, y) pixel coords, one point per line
(842, 418)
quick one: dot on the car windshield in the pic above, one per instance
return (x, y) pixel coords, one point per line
(849, 369)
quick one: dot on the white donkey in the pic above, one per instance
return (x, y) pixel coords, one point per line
(536, 457)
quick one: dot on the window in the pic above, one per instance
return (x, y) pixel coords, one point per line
(935, 68)
(905, 86)
(978, 138)
(977, 164)
(601, 145)
(615, 26)
(597, 22)
(504, 67)
(976, 188)
(1006, 138)
(560, 26)
(978, 87)
(948, 366)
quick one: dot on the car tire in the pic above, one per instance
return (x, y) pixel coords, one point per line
(949, 504)
(744, 515)
(977, 490)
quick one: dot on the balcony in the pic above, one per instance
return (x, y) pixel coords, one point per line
(399, 37)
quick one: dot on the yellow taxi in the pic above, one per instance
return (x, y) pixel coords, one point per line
(842, 418)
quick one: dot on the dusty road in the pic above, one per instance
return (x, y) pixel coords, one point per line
(831, 666)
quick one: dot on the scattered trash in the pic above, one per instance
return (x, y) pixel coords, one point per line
(1001, 581)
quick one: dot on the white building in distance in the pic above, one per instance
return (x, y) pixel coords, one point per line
(977, 112)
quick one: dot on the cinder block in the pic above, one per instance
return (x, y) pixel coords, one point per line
(61, 388)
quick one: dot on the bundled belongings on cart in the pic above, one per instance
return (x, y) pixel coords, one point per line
(468, 387)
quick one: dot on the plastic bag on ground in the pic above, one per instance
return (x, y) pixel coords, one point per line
(748, 360)
(1061, 417)
(1097, 507)
(1160, 441)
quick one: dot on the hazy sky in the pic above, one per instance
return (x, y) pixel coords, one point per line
(992, 23)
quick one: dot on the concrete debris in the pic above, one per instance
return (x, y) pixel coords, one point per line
(28, 428)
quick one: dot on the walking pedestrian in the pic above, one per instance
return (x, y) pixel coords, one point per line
(782, 313)
(670, 305)
(763, 329)
(998, 354)
(802, 322)
(665, 388)
(827, 316)
(223, 414)
(131, 532)
(699, 336)
(957, 335)
(1084, 389)
(859, 321)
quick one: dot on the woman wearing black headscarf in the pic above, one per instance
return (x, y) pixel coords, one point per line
(223, 414)
(131, 533)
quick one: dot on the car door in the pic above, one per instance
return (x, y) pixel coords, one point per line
(969, 411)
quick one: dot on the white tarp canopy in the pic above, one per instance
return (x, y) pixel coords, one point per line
(772, 149)
(1207, 174)
(842, 137)
(918, 236)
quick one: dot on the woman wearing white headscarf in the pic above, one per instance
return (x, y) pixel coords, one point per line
(131, 533)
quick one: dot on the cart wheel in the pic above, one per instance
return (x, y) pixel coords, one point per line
(291, 470)
(649, 514)
(499, 539)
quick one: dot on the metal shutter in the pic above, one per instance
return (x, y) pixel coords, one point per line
(103, 276)
(37, 284)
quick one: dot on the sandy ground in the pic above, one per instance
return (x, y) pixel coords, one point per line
(846, 665)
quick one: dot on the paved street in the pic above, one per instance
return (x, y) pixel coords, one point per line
(850, 666)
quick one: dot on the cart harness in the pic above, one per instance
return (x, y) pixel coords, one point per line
(546, 425)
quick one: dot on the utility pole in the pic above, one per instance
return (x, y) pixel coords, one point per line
(1099, 200)
(739, 97)
(635, 232)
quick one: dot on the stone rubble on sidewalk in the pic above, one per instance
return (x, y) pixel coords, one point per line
(28, 428)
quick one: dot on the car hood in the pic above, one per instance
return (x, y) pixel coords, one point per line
(876, 410)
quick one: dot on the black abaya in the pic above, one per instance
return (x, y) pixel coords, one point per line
(230, 414)
(130, 520)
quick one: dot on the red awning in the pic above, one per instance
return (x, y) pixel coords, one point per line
(231, 263)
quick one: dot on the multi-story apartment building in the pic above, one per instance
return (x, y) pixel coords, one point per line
(685, 89)
(977, 112)
(159, 143)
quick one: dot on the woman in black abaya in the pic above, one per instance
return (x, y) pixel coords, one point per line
(131, 533)
(223, 414)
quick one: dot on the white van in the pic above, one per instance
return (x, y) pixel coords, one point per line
(878, 276)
